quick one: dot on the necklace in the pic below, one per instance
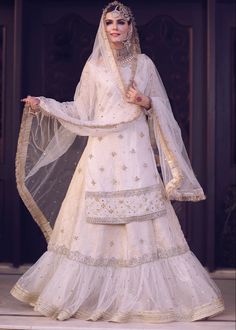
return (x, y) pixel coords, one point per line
(123, 56)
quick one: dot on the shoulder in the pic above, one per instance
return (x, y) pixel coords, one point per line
(94, 65)
(89, 69)
(89, 65)
(147, 65)
(146, 59)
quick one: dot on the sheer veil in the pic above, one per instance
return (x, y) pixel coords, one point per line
(52, 143)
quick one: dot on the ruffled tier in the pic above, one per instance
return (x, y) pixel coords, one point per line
(171, 289)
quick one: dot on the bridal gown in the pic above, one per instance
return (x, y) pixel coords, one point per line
(117, 251)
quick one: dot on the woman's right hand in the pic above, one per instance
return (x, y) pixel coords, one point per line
(31, 102)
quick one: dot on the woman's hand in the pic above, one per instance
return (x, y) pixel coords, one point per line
(136, 97)
(31, 102)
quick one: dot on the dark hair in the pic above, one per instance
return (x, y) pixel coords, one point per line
(112, 8)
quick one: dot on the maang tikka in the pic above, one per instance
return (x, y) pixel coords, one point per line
(123, 10)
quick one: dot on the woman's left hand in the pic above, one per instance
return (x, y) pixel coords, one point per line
(134, 96)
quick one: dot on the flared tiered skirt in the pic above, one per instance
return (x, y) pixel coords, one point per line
(117, 251)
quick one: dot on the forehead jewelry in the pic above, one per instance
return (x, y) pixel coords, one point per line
(115, 13)
(120, 9)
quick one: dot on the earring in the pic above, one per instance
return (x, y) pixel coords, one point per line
(127, 42)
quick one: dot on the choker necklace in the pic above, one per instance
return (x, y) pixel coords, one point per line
(123, 56)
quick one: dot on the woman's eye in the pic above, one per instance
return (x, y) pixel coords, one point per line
(121, 22)
(108, 22)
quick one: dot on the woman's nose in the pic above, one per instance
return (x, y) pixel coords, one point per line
(115, 25)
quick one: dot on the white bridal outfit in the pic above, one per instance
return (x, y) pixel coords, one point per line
(116, 251)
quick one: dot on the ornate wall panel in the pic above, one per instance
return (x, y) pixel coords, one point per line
(225, 137)
(67, 44)
(2, 65)
(2, 85)
(8, 196)
(169, 45)
(227, 226)
(233, 95)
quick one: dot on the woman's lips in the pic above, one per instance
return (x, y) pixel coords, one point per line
(115, 34)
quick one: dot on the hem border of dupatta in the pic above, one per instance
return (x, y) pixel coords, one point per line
(22, 147)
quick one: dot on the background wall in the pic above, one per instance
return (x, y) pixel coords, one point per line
(43, 47)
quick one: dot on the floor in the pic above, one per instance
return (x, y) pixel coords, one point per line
(16, 315)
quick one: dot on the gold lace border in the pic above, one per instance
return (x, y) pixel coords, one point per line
(126, 220)
(181, 196)
(206, 310)
(173, 186)
(26, 196)
(115, 262)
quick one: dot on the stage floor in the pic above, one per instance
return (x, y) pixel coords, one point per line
(17, 315)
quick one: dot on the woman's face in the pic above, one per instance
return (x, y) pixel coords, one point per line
(117, 29)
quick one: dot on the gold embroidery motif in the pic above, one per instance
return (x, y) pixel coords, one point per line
(100, 138)
(145, 165)
(132, 151)
(112, 261)
(120, 136)
(101, 169)
(90, 156)
(93, 182)
(124, 167)
(127, 205)
(141, 135)
(113, 153)
(136, 178)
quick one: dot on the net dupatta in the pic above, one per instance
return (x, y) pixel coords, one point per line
(178, 176)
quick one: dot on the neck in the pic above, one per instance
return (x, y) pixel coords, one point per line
(117, 45)
(122, 54)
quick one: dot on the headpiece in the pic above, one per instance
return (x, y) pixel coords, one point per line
(120, 9)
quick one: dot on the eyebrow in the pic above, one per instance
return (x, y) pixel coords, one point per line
(111, 20)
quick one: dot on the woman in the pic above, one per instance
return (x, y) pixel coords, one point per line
(117, 251)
